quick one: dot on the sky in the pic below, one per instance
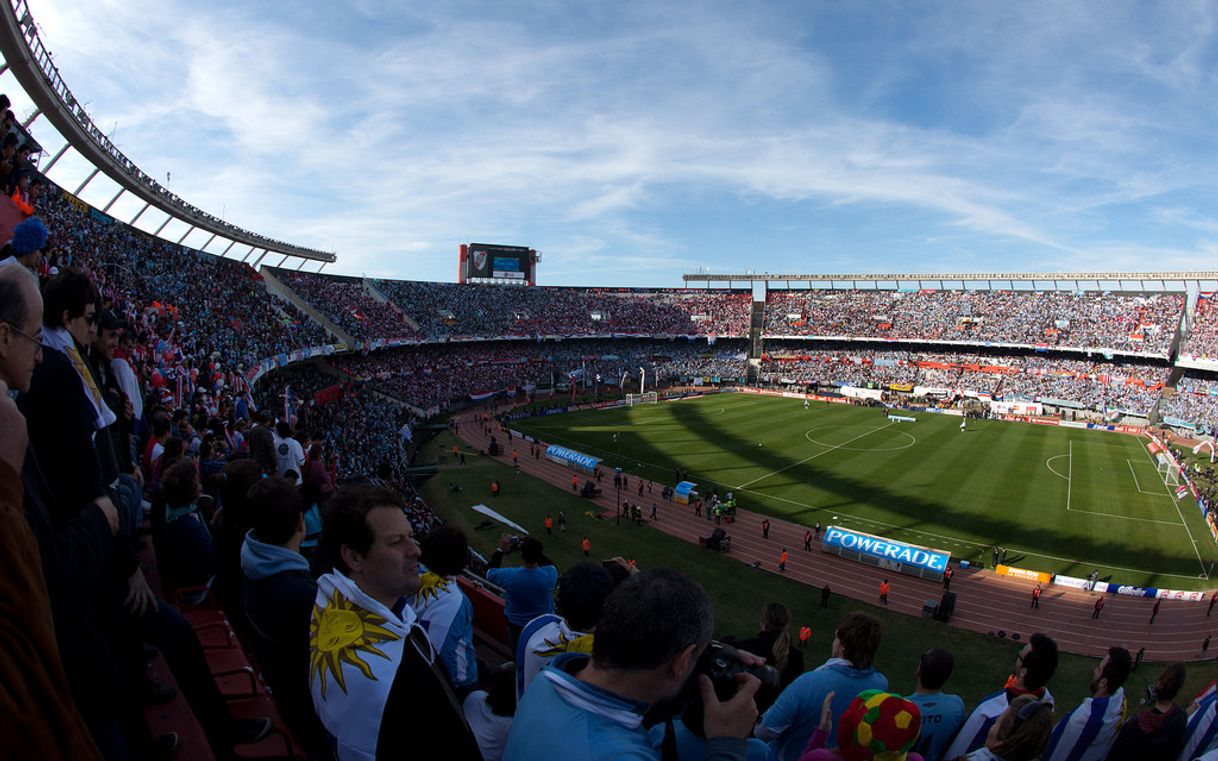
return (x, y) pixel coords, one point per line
(631, 143)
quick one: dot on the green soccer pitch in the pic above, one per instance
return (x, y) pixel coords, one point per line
(1060, 500)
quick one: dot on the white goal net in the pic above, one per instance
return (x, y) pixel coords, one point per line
(1169, 472)
(648, 397)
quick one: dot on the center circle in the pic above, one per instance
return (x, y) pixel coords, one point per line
(910, 443)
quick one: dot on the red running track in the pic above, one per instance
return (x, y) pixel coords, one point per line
(985, 602)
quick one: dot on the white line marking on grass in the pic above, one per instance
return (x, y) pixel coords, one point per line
(1069, 473)
(1176, 504)
(1135, 475)
(1128, 517)
(813, 457)
(1139, 485)
(1051, 468)
(844, 517)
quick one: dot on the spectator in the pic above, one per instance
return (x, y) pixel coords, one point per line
(861, 736)
(580, 596)
(490, 712)
(279, 595)
(262, 443)
(1157, 732)
(773, 643)
(375, 678)
(26, 246)
(317, 486)
(1019, 733)
(1034, 667)
(789, 723)
(188, 558)
(444, 610)
(654, 627)
(1088, 732)
(942, 714)
(289, 455)
(30, 666)
(528, 591)
(64, 406)
(230, 527)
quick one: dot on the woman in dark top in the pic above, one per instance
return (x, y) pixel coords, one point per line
(1157, 732)
(774, 644)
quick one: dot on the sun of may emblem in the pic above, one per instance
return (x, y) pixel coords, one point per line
(338, 634)
(432, 585)
(580, 644)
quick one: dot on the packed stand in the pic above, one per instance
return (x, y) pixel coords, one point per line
(1195, 400)
(189, 309)
(349, 305)
(447, 310)
(1144, 323)
(1095, 385)
(1202, 341)
(430, 377)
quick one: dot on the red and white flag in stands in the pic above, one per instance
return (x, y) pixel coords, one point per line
(1209, 690)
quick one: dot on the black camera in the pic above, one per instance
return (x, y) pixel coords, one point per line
(722, 663)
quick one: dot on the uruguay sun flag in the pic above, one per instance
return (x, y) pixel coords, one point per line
(1202, 726)
(448, 616)
(1087, 732)
(355, 647)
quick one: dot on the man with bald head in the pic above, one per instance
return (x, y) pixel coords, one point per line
(30, 666)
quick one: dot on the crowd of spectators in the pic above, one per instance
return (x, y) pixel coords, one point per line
(432, 376)
(448, 310)
(1202, 340)
(186, 309)
(1144, 323)
(346, 302)
(96, 444)
(1092, 384)
(1195, 400)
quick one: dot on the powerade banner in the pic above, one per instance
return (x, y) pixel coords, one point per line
(572, 459)
(886, 553)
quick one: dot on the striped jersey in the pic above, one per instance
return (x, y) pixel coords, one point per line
(1088, 732)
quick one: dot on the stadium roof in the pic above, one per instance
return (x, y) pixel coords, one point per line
(954, 277)
(31, 63)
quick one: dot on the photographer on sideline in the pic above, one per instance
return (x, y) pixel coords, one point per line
(653, 629)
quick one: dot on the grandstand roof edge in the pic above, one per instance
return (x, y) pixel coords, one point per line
(38, 76)
(703, 277)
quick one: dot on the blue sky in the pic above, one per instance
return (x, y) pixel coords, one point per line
(633, 142)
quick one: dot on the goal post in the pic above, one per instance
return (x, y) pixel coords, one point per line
(648, 397)
(1169, 472)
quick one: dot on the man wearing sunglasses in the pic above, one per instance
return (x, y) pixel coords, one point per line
(1034, 667)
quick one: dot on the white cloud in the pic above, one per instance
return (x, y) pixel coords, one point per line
(391, 132)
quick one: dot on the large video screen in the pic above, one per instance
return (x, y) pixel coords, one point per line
(499, 262)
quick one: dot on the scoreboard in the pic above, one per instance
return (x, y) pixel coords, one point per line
(486, 262)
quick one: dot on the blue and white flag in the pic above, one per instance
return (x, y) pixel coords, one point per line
(1199, 733)
(1088, 732)
(542, 640)
(447, 615)
(355, 647)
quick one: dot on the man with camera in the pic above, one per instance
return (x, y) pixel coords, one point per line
(528, 591)
(653, 630)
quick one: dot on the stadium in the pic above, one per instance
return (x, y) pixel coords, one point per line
(967, 458)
